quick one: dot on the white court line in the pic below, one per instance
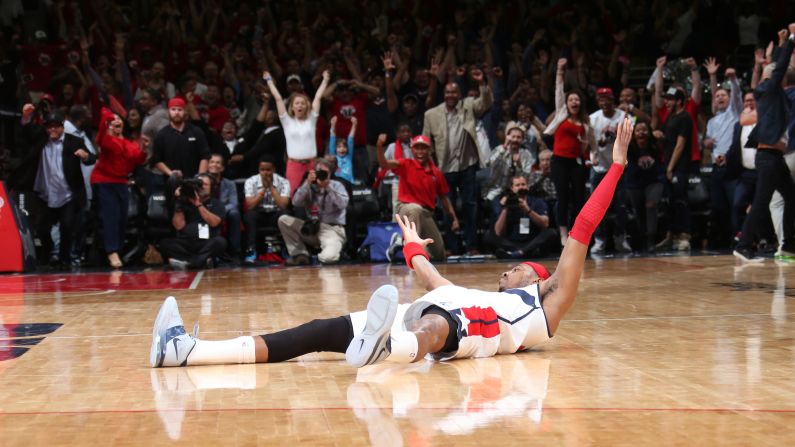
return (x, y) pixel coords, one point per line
(265, 331)
(195, 282)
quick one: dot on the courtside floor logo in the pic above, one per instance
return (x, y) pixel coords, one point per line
(17, 339)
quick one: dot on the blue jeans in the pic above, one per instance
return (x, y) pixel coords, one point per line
(233, 230)
(113, 199)
(463, 183)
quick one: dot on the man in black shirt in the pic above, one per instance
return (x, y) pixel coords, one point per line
(180, 147)
(198, 221)
(677, 132)
(521, 227)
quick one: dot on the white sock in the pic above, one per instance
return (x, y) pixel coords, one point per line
(404, 347)
(222, 352)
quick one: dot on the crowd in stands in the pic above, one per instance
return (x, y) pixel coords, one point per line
(210, 131)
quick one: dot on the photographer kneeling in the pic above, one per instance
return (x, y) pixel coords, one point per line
(325, 201)
(197, 219)
(522, 226)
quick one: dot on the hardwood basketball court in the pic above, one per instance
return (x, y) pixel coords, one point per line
(656, 351)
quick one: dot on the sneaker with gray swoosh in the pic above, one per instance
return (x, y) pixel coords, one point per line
(171, 345)
(373, 344)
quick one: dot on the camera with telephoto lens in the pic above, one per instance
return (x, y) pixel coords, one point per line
(321, 174)
(513, 197)
(189, 188)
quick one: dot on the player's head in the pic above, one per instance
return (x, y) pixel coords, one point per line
(523, 275)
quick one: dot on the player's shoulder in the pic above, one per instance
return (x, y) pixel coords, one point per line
(530, 291)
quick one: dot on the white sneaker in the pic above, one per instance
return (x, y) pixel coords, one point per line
(621, 244)
(373, 345)
(598, 247)
(178, 264)
(171, 345)
(747, 256)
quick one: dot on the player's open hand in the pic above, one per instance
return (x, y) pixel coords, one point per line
(409, 229)
(623, 137)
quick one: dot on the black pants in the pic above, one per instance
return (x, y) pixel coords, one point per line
(678, 204)
(464, 184)
(67, 217)
(721, 193)
(569, 178)
(540, 245)
(772, 175)
(195, 251)
(617, 208)
(743, 197)
(258, 217)
(645, 201)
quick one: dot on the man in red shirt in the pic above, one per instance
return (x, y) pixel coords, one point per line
(421, 183)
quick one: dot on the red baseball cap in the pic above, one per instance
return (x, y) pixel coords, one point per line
(605, 91)
(421, 139)
(540, 270)
(176, 102)
(47, 97)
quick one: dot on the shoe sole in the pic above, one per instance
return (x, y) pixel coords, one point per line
(743, 258)
(158, 349)
(381, 311)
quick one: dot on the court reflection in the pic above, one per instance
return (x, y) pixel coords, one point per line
(453, 398)
(178, 389)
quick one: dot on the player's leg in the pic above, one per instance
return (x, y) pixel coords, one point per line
(434, 332)
(173, 346)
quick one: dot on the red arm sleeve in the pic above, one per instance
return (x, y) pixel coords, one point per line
(594, 210)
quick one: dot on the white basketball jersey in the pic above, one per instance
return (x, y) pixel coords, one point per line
(489, 323)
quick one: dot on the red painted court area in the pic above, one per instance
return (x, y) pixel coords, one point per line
(95, 282)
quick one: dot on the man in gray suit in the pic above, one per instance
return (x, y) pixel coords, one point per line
(451, 128)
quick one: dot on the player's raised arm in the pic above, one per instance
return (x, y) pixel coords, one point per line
(559, 291)
(416, 258)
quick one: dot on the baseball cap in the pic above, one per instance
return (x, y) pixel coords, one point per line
(605, 91)
(514, 125)
(176, 102)
(421, 139)
(675, 93)
(294, 77)
(540, 270)
(47, 97)
(53, 118)
(411, 96)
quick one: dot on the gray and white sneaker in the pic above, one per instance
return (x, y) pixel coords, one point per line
(171, 345)
(178, 264)
(373, 344)
(598, 247)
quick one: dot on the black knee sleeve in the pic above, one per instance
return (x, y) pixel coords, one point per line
(330, 335)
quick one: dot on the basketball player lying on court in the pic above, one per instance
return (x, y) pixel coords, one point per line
(447, 322)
